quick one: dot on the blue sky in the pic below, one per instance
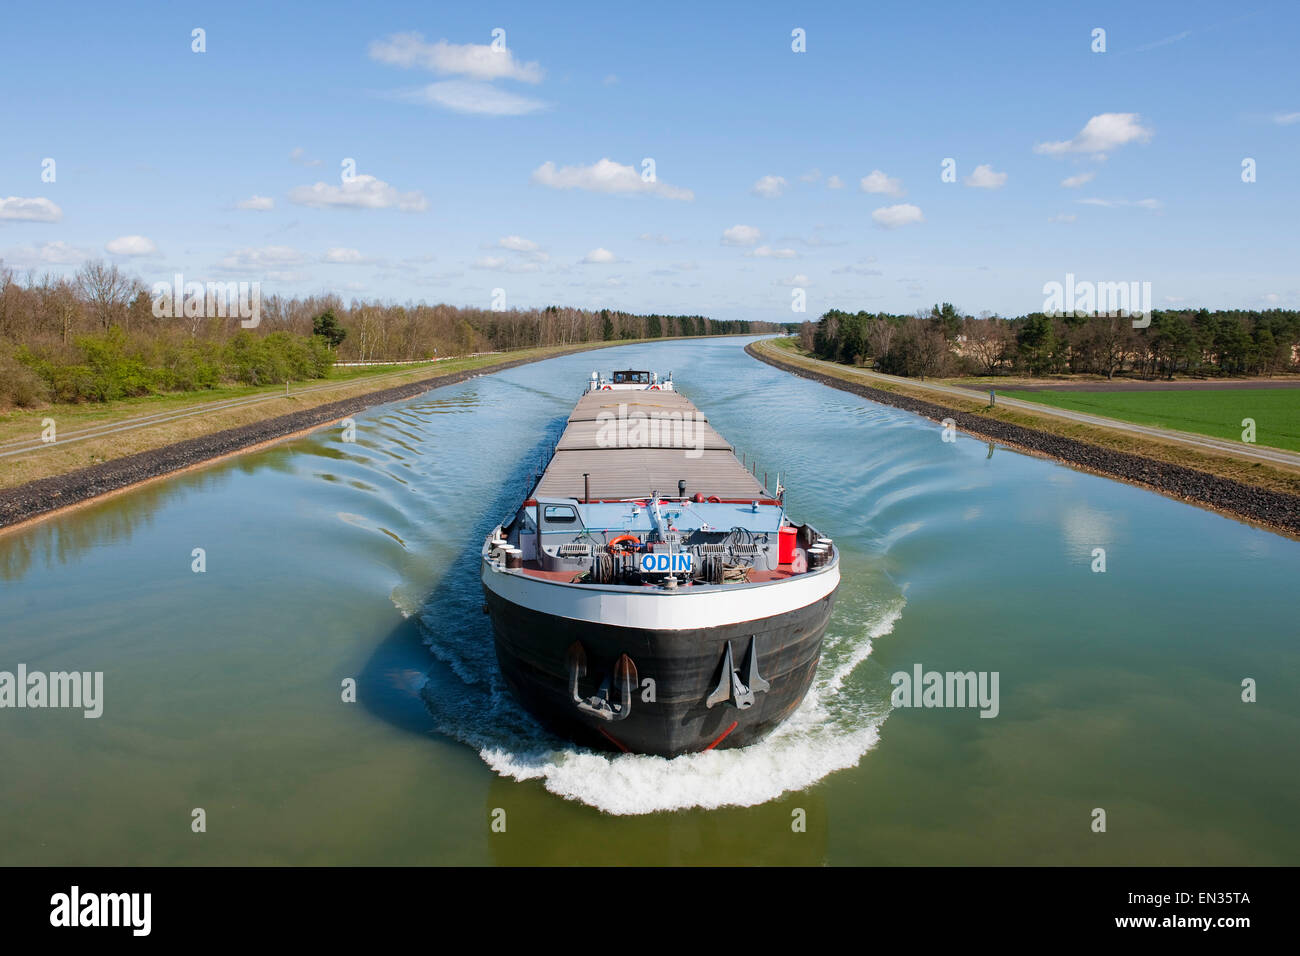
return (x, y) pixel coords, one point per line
(157, 146)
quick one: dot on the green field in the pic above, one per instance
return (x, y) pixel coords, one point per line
(1218, 413)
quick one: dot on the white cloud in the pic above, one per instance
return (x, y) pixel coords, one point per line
(1063, 217)
(1286, 119)
(55, 253)
(985, 178)
(660, 238)
(767, 252)
(361, 192)
(60, 253)
(903, 214)
(517, 244)
(770, 187)
(605, 176)
(36, 209)
(610, 79)
(299, 157)
(800, 280)
(741, 236)
(1074, 182)
(524, 247)
(877, 182)
(131, 246)
(472, 96)
(343, 256)
(502, 264)
(812, 176)
(256, 202)
(1272, 298)
(1102, 133)
(479, 61)
(599, 256)
(253, 258)
(835, 183)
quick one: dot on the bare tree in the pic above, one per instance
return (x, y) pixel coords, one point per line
(932, 350)
(1111, 340)
(987, 342)
(807, 332)
(9, 293)
(880, 337)
(107, 290)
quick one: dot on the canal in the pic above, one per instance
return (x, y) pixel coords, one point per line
(327, 561)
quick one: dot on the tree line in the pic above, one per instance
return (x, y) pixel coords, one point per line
(943, 342)
(94, 336)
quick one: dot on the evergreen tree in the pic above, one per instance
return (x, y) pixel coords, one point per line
(326, 325)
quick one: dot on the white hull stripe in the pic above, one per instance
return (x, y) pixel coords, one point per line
(655, 609)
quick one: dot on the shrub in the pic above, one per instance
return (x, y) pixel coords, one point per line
(21, 386)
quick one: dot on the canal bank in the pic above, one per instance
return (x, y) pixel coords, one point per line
(1268, 507)
(37, 499)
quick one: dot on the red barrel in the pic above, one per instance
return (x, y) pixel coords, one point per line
(785, 544)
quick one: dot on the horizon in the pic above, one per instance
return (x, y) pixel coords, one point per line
(319, 156)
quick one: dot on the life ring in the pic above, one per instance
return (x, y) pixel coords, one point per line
(606, 388)
(614, 544)
(654, 388)
(715, 499)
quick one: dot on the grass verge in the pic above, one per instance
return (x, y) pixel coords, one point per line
(204, 416)
(1218, 413)
(1258, 474)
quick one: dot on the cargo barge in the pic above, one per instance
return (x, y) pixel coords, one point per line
(650, 595)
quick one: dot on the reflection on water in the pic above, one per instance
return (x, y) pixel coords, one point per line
(97, 522)
(330, 560)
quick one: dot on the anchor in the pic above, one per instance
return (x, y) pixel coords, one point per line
(731, 687)
(599, 705)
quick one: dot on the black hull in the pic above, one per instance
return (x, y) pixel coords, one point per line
(534, 650)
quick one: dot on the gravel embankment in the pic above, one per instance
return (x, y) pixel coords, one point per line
(50, 494)
(1274, 509)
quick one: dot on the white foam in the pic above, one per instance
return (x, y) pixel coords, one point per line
(834, 728)
(861, 651)
(629, 784)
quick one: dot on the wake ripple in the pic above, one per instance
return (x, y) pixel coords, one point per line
(835, 727)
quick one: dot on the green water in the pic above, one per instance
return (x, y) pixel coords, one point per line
(328, 560)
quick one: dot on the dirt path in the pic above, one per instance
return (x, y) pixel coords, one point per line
(1276, 510)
